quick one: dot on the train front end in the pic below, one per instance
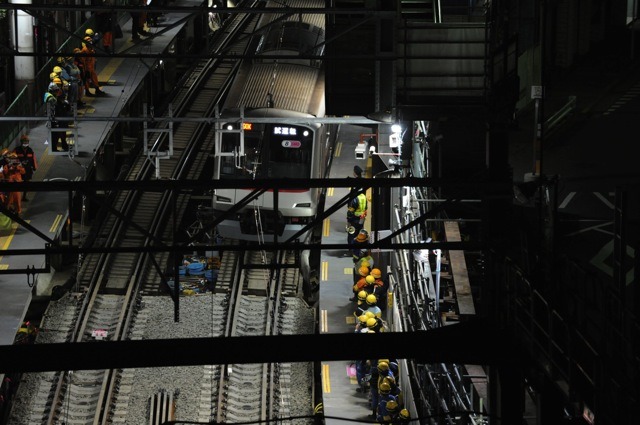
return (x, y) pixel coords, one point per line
(275, 151)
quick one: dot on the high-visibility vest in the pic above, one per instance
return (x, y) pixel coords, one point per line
(362, 205)
(47, 95)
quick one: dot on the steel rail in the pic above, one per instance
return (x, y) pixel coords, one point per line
(104, 270)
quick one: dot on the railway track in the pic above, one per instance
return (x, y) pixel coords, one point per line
(113, 295)
(253, 392)
(110, 285)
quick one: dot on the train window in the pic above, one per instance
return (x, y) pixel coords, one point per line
(250, 164)
(271, 151)
(290, 152)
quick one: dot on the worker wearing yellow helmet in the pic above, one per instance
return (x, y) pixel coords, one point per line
(395, 389)
(55, 86)
(74, 78)
(388, 412)
(375, 324)
(361, 306)
(372, 306)
(61, 73)
(94, 36)
(370, 280)
(392, 365)
(404, 417)
(361, 323)
(385, 396)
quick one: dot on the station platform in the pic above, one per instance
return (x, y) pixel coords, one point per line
(341, 402)
(48, 211)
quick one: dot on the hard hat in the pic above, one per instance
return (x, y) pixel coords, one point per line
(57, 81)
(371, 299)
(371, 322)
(389, 380)
(376, 273)
(362, 237)
(370, 279)
(12, 155)
(369, 314)
(88, 39)
(363, 319)
(404, 414)
(52, 76)
(384, 388)
(363, 271)
(77, 50)
(53, 87)
(57, 69)
(392, 405)
(362, 296)
(60, 59)
(4, 151)
(383, 360)
(383, 366)
(89, 32)
(364, 263)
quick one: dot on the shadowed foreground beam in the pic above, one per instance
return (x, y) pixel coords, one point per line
(470, 342)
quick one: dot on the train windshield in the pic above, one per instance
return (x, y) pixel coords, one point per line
(271, 151)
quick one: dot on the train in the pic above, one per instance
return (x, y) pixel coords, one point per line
(267, 129)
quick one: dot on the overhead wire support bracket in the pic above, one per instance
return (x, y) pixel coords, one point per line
(156, 143)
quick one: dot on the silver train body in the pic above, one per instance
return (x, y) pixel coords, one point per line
(283, 94)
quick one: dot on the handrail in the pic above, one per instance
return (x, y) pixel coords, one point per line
(554, 121)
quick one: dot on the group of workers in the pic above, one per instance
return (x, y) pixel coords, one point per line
(71, 79)
(17, 166)
(379, 379)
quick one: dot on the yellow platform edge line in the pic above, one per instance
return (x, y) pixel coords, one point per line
(326, 226)
(324, 324)
(326, 380)
(109, 69)
(55, 224)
